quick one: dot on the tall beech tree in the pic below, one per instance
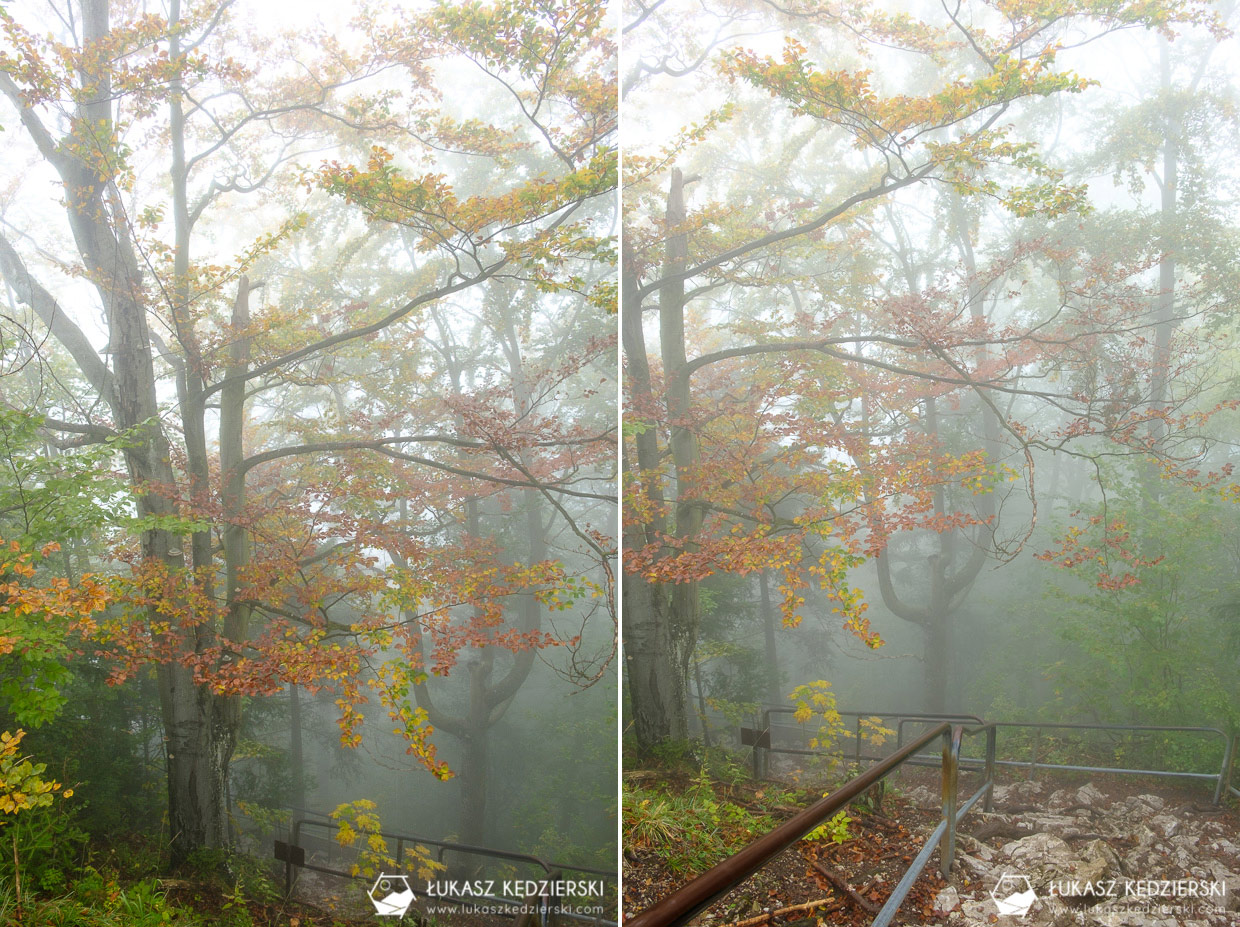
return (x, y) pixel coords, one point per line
(532, 371)
(778, 304)
(257, 562)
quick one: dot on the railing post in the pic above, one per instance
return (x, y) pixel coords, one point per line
(759, 755)
(549, 901)
(1224, 773)
(1235, 748)
(857, 743)
(754, 761)
(682, 905)
(951, 770)
(992, 734)
(294, 840)
(1033, 763)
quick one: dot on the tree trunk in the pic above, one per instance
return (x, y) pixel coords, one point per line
(684, 599)
(661, 620)
(296, 757)
(774, 695)
(199, 750)
(196, 725)
(938, 650)
(655, 701)
(1165, 302)
(656, 692)
(474, 772)
(701, 704)
(489, 700)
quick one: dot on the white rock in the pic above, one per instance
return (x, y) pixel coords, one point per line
(1091, 795)
(1059, 799)
(1228, 848)
(1055, 822)
(976, 868)
(1098, 863)
(1146, 802)
(1222, 874)
(1026, 790)
(947, 900)
(1165, 824)
(923, 797)
(1041, 857)
(977, 912)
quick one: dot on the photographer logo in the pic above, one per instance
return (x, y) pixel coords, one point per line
(391, 895)
(1013, 895)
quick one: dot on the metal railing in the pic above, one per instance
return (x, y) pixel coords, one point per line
(944, 835)
(1233, 753)
(548, 907)
(1220, 779)
(764, 746)
(683, 904)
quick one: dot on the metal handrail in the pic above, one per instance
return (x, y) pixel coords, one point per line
(1233, 750)
(904, 719)
(760, 758)
(1221, 779)
(1039, 726)
(944, 835)
(442, 846)
(686, 902)
(549, 906)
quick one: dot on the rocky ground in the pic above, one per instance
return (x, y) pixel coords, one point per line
(813, 882)
(1094, 858)
(1105, 854)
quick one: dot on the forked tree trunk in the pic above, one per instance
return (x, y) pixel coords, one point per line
(662, 619)
(952, 572)
(489, 699)
(474, 771)
(198, 727)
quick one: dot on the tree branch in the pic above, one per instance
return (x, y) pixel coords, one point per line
(29, 291)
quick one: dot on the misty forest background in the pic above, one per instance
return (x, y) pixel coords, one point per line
(307, 444)
(307, 422)
(929, 324)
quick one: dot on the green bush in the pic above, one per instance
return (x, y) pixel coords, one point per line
(50, 848)
(689, 831)
(97, 900)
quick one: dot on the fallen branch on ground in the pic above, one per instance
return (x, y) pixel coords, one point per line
(847, 889)
(831, 904)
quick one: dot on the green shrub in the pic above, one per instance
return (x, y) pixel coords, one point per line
(50, 848)
(690, 831)
(835, 830)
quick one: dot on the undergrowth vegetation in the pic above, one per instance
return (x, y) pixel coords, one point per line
(693, 809)
(118, 886)
(690, 830)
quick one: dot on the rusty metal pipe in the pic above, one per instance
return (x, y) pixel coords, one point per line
(680, 906)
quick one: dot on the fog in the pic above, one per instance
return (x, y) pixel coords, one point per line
(307, 375)
(950, 367)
